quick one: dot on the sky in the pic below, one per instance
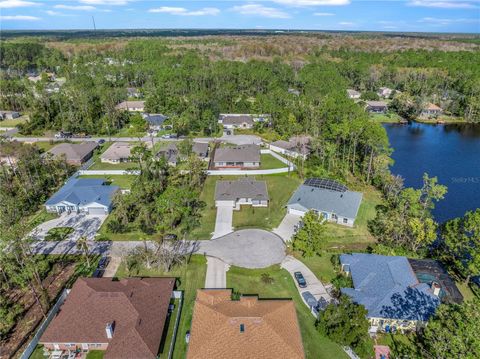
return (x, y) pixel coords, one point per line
(357, 15)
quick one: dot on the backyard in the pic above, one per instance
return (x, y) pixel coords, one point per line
(248, 281)
(280, 188)
(190, 277)
(122, 181)
(268, 162)
(98, 165)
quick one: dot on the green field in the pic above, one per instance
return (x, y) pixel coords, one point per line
(247, 281)
(390, 117)
(190, 278)
(122, 181)
(280, 188)
(268, 162)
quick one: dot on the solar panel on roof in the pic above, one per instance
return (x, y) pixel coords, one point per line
(325, 183)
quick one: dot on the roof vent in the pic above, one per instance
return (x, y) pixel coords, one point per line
(242, 328)
(436, 288)
(109, 329)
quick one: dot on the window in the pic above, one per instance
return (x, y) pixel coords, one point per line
(345, 220)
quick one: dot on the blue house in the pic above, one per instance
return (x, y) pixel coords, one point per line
(390, 291)
(88, 195)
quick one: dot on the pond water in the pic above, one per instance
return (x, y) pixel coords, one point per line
(449, 152)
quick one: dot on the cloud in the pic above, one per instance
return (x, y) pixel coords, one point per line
(56, 13)
(105, 2)
(447, 21)
(346, 23)
(323, 14)
(9, 4)
(443, 4)
(181, 11)
(260, 10)
(313, 2)
(73, 7)
(19, 17)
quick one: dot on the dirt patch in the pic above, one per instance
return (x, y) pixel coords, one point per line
(32, 317)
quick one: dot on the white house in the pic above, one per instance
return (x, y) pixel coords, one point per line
(239, 120)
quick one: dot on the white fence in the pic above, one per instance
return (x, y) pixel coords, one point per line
(177, 294)
(33, 344)
(108, 172)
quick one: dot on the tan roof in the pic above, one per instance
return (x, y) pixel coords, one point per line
(137, 306)
(117, 151)
(432, 107)
(271, 328)
(245, 153)
(73, 151)
(126, 105)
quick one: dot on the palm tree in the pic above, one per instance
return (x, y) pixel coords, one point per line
(82, 245)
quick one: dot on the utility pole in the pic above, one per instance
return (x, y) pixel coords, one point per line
(94, 26)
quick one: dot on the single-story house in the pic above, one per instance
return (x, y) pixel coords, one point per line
(155, 121)
(237, 120)
(431, 109)
(133, 92)
(385, 92)
(124, 318)
(244, 328)
(75, 153)
(330, 199)
(353, 94)
(89, 195)
(376, 106)
(171, 153)
(389, 289)
(242, 191)
(8, 115)
(118, 152)
(131, 106)
(246, 156)
(297, 146)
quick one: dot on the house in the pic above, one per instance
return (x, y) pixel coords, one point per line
(171, 153)
(87, 195)
(133, 92)
(155, 121)
(237, 120)
(123, 318)
(131, 106)
(244, 191)
(385, 92)
(239, 157)
(353, 94)
(376, 106)
(118, 152)
(75, 153)
(297, 146)
(244, 328)
(390, 290)
(8, 115)
(431, 109)
(330, 199)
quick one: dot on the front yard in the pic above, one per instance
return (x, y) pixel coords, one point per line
(190, 278)
(248, 281)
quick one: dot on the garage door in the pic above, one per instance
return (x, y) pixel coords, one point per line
(96, 210)
(296, 211)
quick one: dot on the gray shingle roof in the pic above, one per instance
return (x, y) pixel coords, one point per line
(241, 188)
(74, 151)
(245, 153)
(234, 119)
(377, 104)
(155, 119)
(344, 204)
(388, 287)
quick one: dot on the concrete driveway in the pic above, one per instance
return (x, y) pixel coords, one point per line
(216, 273)
(248, 248)
(223, 222)
(286, 229)
(314, 285)
(83, 225)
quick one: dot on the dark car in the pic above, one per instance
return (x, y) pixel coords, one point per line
(101, 141)
(302, 283)
(170, 236)
(310, 299)
(98, 273)
(103, 263)
(322, 304)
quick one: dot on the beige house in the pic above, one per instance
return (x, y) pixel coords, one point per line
(117, 153)
(131, 106)
(244, 191)
(431, 109)
(75, 153)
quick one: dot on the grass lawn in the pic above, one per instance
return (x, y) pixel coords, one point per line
(58, 233)
(129, 132)
(14, 122)
(123, 181)
(98, 165)
(465, 290)
(167, 340)
(268, 162)
(190, 278)
(45, 146)
(280, 188)
(95, 354)
(247, 281)
(321, 266)
(385, 117)
(37, 353)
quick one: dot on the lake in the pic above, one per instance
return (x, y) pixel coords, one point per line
(449, 152)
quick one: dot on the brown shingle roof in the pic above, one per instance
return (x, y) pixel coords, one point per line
(74, 151)
(137, 306)
(271, 328)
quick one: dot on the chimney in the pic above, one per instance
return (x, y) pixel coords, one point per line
(436, 288)
(109, 329)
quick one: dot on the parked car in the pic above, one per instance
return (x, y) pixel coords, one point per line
(170, 236)
(322, 304)
(103, 263)
(302, 283)
(310, 299)
(98, 273)
(101, 141)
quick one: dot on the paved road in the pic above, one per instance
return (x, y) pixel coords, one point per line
(248, 248)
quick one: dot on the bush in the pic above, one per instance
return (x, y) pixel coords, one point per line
(115, 226)
(266, 278)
